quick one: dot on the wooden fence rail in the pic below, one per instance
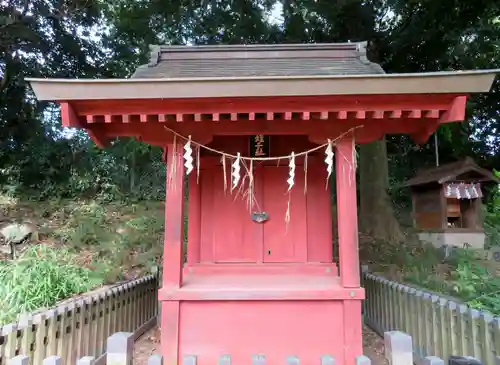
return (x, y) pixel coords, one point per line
(81, 327)
(120, 348)
(438, 325)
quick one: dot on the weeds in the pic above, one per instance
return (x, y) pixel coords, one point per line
(39, 278)
(460, 275)
(83, 245)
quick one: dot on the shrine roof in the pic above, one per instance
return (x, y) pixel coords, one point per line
(261, 71)
(450, 172)
(257, 60)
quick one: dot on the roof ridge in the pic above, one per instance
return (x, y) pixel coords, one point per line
(265, 46)
(447, 171)
(359, 48)
(273, 59)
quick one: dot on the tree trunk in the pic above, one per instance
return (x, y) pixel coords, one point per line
(377, 217)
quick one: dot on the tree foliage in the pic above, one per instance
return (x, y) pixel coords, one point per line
(90, 38)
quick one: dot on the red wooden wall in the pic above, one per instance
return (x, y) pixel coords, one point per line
(229, 233)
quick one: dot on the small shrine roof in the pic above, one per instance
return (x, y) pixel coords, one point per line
(258, 61)
(278, 70)
(451, 172)
(326, 89)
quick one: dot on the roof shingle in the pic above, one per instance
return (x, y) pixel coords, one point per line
(257, 61)
(450, 172)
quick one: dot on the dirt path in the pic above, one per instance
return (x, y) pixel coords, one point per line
(148, 344)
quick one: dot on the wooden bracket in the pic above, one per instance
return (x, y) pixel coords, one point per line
(71, 119)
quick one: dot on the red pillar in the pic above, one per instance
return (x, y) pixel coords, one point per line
(173, 251)
(347, 212)
(347, 218)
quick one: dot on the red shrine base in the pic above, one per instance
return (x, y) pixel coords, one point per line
(224, 312)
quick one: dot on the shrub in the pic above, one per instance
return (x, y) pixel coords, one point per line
(41, 277)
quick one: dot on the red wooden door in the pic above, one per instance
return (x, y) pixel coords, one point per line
(227, 226)
(228, 233)
(284, 242)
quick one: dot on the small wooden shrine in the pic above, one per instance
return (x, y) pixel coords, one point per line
(447, 203)
(260, 129)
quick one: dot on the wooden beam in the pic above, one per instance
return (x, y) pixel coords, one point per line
(70, 119)
(415, 114)
(342, 114)
(296, 104)
(456, 111)
(431, 114)
(367, 130)
(422, 135)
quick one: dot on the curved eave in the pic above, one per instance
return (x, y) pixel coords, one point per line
(462, 82)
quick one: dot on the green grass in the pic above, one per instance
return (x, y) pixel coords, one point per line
(83, 245)
(461, 275)
(41, 277)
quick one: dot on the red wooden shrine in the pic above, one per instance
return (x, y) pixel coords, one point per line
(262, 287)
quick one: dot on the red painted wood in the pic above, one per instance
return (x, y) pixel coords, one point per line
(319, 214)
(248, 241)
(172, 251)
(194, 220)
(265, 104)
(174, 218)
(207, 184)
(347, 219)
(366, 130)
(456, 111)
(353, 333)
(250, 269)
(70, 119)
(284, 242)
(291, 302)
(170, 311)
(245, 285)
(236, 237)
(306, 329)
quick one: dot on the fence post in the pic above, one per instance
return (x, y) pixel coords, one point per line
(157, 360)
(398, 348)
(189, 360)
(224, 360)
(52, 360)
(326, 360)
(261, 360)
(363, 360)
(463, 360)
(120, 349)
(18, 360)
(432, 360)
(86, 360)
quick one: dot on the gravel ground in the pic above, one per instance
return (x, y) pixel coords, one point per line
(147, 345)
